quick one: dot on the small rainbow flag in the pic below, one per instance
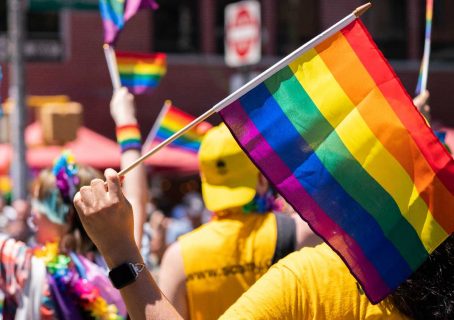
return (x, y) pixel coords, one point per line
(132, 6)
(112, 14)
(336, 133)
(141, 72)
(115, 13)
(170, 121)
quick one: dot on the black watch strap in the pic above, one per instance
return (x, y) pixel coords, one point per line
(125, 274)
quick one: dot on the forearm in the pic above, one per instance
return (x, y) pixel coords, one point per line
(136, 191)
(143, 298)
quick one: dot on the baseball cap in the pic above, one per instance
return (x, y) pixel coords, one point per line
(228, 177)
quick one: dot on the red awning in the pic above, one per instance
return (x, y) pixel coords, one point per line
(171, 158)
(93, 149)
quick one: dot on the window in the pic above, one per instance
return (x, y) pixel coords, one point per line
(219, 24)
(387, 23)
(176, 26)
(443, 30)
(292, 29)
(42, 33)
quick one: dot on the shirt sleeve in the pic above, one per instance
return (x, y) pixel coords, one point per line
(15, 259)
(276, 295)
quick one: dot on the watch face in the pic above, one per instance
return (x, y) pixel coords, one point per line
(123, 275)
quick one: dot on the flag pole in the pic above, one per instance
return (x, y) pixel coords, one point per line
(157, 123)
(424, 70)
(1, 106)
(112, 66)
(254, 82)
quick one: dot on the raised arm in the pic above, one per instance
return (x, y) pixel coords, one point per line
(128, 135)
(107, 217)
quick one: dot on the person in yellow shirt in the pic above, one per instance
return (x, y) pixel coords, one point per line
(206, 270)
(309, 284)
(427, 294)
(312, 283)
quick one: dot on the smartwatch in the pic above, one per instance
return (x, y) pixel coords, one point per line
(125, 274)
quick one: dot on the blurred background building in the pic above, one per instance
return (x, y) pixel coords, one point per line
(64, 49)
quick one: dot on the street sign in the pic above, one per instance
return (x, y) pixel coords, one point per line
(242, 33)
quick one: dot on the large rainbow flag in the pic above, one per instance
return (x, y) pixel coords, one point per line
(174, 119)
(341, 140)
(141, 72)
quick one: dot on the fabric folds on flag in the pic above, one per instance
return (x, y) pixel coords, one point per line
(112, 14)
(115, 13)
(339, 137)
(176, 119)
(141, 72)
(133, 6)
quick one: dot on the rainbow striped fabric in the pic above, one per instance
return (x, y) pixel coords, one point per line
(341, 140)
(112, 14)
(132, 6)
(115, 13)
(175, 120)
(424, 70)
(141, 72)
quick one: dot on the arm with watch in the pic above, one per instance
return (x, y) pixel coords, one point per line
(108, 219)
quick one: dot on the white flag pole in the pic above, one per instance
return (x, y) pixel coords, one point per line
(254, 82)
(111, 60)
(157, 124)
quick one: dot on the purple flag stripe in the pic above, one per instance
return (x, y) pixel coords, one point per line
(250, 138)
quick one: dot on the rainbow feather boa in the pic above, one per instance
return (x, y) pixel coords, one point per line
(68, 273)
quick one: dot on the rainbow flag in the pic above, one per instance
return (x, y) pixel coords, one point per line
(340, 139)
(133, 6)
(173, 119)
(141, 72)
(112, 14)
(424, 70)
(115, 13)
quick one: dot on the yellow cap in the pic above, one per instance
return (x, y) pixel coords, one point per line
(229, 178)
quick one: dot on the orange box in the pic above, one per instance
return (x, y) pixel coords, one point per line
(60, 122)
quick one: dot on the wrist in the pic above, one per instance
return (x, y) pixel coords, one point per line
(125, 121)
(129, 137)
(122, 254)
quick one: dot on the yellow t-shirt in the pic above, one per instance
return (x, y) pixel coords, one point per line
(223, 258)
(312, 283)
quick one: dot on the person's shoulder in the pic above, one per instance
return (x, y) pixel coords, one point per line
(310, 256)
(204, 228)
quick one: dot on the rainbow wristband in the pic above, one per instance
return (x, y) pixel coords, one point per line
(129, 138)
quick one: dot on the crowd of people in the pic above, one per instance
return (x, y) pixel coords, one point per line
(237, 251)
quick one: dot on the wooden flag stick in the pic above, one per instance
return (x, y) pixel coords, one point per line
(358, 12)
(112, 66)
(253, 83)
